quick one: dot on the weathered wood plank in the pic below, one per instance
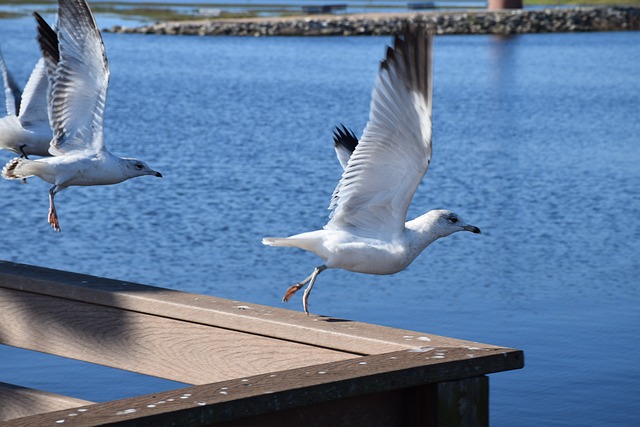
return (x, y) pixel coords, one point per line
(181, 351)
(338, 334)
(243, 398)
(17, 402)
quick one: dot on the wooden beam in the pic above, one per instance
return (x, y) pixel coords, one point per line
(17, 402)
(384, 409)
(180, 351)
(249, 362)
(338, 334)
(463, 403)
(244, 398)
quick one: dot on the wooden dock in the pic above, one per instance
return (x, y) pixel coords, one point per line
(249, 365)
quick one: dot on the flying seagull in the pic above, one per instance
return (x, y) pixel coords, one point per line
(25, 129)
(77, 100)
(367, 232)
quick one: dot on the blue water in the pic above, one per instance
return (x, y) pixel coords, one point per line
(536, 141)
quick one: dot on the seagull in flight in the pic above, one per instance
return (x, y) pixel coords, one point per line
(367, 231)
(25, 129)
(80, 77)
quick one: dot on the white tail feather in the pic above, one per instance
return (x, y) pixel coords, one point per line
(277, 241)
(19, 168)
(312, 242)
(299, 241)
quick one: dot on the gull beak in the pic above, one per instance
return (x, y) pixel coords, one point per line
(471, 228)
(158, 174)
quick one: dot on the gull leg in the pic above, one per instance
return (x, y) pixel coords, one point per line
(53, 215)
(24, 156)
(295, 288)
(305, 296)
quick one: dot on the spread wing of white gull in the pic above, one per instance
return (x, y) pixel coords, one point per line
(367, 232)
(77, 101)
(25, 129)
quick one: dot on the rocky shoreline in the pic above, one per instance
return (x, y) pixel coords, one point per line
(503, 22)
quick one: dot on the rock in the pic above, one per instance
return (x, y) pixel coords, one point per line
(503, 22)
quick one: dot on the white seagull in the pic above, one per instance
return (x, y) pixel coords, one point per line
(77, 101)
(367, 232)
(25, 129)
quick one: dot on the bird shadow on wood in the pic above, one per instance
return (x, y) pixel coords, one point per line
(333, 319)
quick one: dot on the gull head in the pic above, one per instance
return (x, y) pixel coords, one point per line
(438, 223)
(449, 222)
(434, 225)
(135, 167)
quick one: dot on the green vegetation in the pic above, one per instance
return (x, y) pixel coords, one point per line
(5, 15)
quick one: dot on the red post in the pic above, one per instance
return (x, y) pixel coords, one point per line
(504, 4)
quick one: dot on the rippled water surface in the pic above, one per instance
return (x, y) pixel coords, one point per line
(536, 141)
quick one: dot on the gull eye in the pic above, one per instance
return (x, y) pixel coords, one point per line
(139, 166)
(453, 219)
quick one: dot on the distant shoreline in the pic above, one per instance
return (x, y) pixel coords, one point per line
(505, 22)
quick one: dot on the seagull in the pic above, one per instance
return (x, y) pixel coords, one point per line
(76, 104)
(367, 232)
(25, 129)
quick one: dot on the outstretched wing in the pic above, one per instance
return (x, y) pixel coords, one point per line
(34, 104)
(376, 188)
(12, 92)
(80, 80)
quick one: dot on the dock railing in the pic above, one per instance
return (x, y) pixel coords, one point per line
(249, 365)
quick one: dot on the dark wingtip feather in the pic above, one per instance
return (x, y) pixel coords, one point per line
(48, 41)
(411, 55)
(345, 138)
